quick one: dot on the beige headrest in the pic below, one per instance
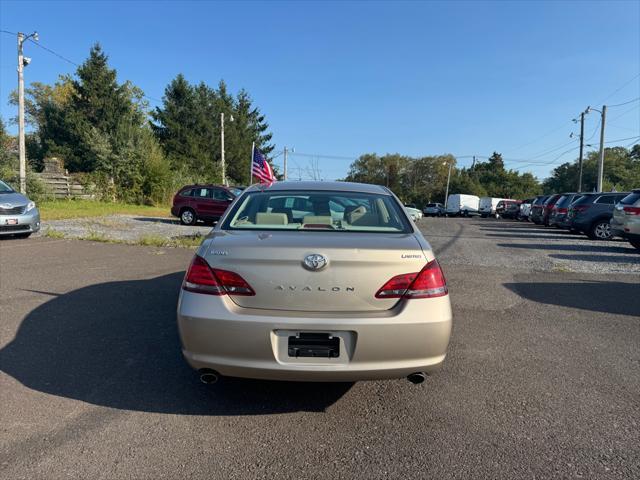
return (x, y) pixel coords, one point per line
(263, 218)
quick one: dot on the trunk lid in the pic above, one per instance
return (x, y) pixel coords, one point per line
(358, 264)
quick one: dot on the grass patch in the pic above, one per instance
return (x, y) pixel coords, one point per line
(63, 209)
(94, 236)
(187, 241)
(51, 233)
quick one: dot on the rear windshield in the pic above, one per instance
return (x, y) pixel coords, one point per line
(317, 211)
(584, 199)
(631, 198)
(4, 188)
(550, 200)
(432, 205)
(563, 201)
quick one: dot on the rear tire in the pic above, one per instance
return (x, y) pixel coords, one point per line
(600, 230)
(188, 217)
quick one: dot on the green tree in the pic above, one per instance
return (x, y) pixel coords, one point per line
(621, 172)
(187, 126)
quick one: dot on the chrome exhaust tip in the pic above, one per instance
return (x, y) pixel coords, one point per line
(417, 377)
(208, 376)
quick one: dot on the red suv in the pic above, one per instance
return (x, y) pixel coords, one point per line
(201, 202)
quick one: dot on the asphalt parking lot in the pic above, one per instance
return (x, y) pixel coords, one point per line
(542, 378)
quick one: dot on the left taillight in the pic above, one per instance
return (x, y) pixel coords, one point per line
(427, 283)
(631, 210)
(201, 278)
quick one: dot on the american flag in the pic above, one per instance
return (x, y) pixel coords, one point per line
(261, 168)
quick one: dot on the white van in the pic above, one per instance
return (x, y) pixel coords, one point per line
(460, 204)
(488, 206)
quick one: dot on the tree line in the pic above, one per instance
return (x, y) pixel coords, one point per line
(106, 131)
(424, 179)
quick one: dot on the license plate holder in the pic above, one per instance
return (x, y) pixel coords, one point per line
(313, 344)
(11, 221)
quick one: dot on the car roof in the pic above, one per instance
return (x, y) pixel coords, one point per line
(321, 186)
(203, 185)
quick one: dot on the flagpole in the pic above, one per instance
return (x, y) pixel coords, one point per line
(253, 147)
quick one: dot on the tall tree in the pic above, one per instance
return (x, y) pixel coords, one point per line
(188, 128)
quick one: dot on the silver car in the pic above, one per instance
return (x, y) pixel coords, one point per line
(18, 215)
(626, 218)
(315, 281)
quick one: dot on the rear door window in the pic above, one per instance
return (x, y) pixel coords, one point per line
(606, 199)
(222, 195)
(202, 193)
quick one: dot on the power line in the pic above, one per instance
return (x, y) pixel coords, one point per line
(38, 44)
(617, 90)
(62, 57)
(625, 112)
(540, 137)
(624, 103)
(619, 140)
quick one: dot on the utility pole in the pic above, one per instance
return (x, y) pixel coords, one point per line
(601, 160)
(581, 152)
(21, 143)
(222, 164)
(446, 195)
(22, 62)
(285, 163)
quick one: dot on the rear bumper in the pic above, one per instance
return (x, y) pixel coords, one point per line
(26, 223)
(216, 334)
(632, 236)
(617, 228)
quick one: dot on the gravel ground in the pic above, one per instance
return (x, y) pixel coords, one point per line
(541, 378)
(125, 228)
(508, 244)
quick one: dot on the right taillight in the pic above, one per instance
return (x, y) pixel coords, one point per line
(201, 278)
(427, 283)
(631, 210)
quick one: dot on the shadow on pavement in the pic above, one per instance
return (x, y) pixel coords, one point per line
(607, 297)
(171, 221)
(606, 247)
(116, 344)
(602, 259)
(530, 236)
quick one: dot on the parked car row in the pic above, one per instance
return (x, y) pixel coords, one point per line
(599, 215)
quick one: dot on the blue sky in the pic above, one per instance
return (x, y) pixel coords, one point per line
(346, 78)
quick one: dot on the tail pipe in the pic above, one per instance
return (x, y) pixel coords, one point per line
(208, 376)
(417, 377)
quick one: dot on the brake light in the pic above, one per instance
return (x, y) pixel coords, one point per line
(561, 210)
(427, 283)
(201, 278)
(631, 210)
(580, 208)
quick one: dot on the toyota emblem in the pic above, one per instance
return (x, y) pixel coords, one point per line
(315, 262)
